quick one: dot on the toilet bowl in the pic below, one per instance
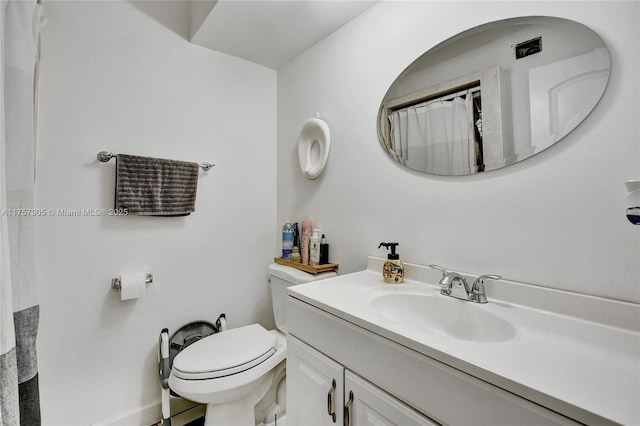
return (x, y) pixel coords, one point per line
(234, 370)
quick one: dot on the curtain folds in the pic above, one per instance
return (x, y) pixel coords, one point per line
(19, 309)
(436, 137)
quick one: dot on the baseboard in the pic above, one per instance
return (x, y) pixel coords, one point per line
(142, 416)
(183, 411)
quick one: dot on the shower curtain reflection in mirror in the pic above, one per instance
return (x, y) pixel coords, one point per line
(438, 136)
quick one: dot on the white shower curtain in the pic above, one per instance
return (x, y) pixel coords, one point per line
(436, 136)
(19, 310)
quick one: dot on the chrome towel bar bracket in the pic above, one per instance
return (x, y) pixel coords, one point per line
(105, 156)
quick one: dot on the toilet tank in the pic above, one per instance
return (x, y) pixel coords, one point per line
(281, 277)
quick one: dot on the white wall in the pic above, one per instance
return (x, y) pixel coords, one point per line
(120, 77)
(554, 220)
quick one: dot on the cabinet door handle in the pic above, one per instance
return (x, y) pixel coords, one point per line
(347, 407)
(330, 409)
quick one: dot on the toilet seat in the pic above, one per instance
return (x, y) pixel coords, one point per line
(228, 388)
(226, 353)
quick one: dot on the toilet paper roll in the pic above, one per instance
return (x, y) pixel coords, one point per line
(132, 286)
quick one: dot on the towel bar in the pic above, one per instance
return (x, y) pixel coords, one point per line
(105, 156)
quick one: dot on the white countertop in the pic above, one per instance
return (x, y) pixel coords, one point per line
(560, 357)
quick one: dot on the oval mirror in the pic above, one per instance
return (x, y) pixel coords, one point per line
(493, 95)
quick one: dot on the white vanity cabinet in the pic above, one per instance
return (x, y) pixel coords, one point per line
(401, 386)
(321, 391)
(366, 404)
(315, 386)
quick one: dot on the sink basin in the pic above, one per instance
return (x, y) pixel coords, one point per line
(443, 316)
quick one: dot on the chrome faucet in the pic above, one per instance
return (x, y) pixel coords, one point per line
(477, 290)
(455, 285)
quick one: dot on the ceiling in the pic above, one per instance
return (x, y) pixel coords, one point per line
(269, 32)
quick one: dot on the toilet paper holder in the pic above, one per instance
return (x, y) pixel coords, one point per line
(116, 283)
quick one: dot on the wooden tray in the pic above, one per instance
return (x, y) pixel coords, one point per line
(308, 268)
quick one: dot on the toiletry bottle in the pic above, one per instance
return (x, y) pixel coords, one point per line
(287, 240)
(295, 254)
(304, 241)
(324, 251)
(296, 235)
(296, 244)
(393, 270)
(314, 248)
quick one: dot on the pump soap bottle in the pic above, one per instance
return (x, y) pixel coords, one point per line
(393, 270)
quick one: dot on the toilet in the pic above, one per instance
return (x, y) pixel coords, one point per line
(242, 370)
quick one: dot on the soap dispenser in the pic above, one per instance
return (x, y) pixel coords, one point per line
(393, 270)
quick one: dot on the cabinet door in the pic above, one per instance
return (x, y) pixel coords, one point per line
(368, 405)
(315, 386)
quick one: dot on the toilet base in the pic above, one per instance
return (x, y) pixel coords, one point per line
(282, 421)
(239, 412)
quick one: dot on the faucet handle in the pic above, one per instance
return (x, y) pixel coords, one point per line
(477, 290)
(445, 282)
(439, 268)
(481, 278)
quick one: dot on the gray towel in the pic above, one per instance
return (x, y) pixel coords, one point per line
(155, 186)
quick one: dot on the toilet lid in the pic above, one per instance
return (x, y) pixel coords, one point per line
(225, 353)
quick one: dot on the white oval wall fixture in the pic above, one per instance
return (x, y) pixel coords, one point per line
(313, 147)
